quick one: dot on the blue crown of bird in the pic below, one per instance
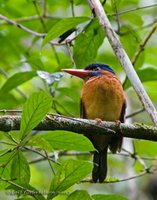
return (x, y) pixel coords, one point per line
(103, 98)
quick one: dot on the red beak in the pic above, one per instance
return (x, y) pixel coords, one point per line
(81, 73)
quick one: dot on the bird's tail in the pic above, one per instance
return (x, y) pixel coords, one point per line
(100, 166)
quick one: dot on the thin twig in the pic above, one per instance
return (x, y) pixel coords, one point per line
(39, 153)
(41, 35)
(16, 185)
(72, 8)
(9, 159)
(131, 155)
(135, 113)
(9, 21)
(6, 152)
(67, 153)
(12, 138)
(143, 43)
(29, 18)
(7, 143)
(129, 178)
(71, 55)
(135, 156)
(44, 8)
(134, 9)
(146, 171)
(137, 29)
(49, 161)
(60, 153)
(10, 111)
(38, 13)
(116, 14)
(45, 30)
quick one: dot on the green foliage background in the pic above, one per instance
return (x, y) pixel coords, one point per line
(31, 65)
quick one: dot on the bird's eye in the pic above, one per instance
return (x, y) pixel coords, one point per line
(97, 69)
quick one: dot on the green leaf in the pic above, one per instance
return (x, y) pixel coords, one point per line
(34, 110)
(35, 62)
(144, 148)
(77, 2)
(5, 167)
(39, 142)
(88, 43)
(79, 194)
(71, 172)
(130, 35)
(148, 73)
(69, 93)
(108, 197)
(68, 141)
(145, 74)
(20, 171)
(36, 194)
(133, 19)
(26, 198)
(16, 80)
(62, 26)
(61, 197)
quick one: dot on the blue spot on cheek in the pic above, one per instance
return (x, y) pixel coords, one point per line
(96, 74)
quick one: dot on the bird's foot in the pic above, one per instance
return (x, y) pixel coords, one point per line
(118, 123)
(98, 121)
(118, 126)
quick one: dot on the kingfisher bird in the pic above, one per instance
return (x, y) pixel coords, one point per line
(103, 98)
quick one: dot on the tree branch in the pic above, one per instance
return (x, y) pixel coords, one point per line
(123, 58)
(9, 21)
(144, 172)
(135, 9)
(83, 126)
(144, 42)
(41, 35)
(135, 113)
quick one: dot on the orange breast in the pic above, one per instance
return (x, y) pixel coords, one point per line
(103, 98)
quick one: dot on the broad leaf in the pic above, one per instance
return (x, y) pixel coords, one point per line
(87, 44)
(5, 167)
(40, 142)
(16, 80)
(145, 74)
(62, 196)
(145, 147)
(108, 197)
(79, 194)
(20, 171)
(129, 35)
(68, 141)
(77, 2)
(34, 110)
(62, 26)
(71, 172)
(35, 62)
(32, 193)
